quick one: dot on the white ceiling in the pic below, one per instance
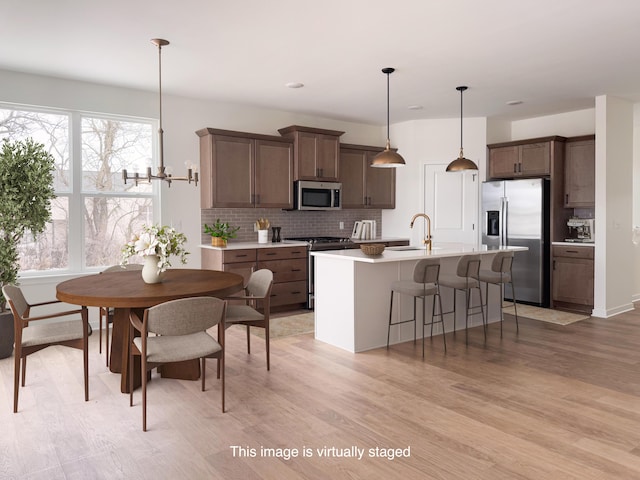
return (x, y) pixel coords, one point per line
(553, 55)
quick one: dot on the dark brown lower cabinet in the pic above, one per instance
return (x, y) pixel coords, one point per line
(288, 264)
(572, 281)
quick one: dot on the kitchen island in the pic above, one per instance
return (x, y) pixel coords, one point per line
(353, 290)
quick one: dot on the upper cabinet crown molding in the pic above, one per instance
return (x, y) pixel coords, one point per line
(316, 152)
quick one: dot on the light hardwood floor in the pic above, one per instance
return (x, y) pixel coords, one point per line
(552, 402)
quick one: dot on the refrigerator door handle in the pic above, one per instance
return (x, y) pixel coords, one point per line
(505, 221)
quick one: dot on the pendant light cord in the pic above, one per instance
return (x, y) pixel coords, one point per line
(461, 119)
(388, 136)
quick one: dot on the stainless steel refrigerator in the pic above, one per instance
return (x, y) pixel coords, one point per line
(516, 213)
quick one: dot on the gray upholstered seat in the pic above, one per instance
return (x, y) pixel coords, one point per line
(256, 308)
(424, 284)
(107, 312)
(31, 335)
(181, 334)
(465, 279)
(500, 274)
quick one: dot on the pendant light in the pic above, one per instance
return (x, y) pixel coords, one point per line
(388, 158)
(461, 163)
(162, 174)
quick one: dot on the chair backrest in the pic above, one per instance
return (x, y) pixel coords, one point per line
(502, 262)
(427, 271)
(468, 266)
(260, 282)
(17, 302)
(123, 268)
(185, 315)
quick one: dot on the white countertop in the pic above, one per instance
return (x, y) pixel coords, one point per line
(250, 245)
(398, 254)
(575, 244)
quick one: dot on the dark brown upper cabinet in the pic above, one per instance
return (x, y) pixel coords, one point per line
(580, 172)
(364, 186)
(316, 152)
(244, 170)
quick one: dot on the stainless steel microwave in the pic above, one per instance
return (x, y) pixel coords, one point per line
(310, 195)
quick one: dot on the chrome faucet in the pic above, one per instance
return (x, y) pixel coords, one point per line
(427, 239)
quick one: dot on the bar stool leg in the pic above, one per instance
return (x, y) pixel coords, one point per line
(390, 316)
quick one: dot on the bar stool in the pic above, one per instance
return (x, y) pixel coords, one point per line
(465, 280)
(423, 285)
(500, 274)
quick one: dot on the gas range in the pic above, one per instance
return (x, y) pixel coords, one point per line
(324, 243)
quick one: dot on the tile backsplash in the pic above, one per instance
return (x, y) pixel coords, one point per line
(294, 223)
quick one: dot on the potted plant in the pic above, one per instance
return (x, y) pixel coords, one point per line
(26, 191)
(220, 232)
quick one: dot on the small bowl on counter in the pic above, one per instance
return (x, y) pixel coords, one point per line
(372, 249)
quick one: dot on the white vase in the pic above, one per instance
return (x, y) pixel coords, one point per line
(150, 271)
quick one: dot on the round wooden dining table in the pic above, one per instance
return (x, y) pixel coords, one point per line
(125, 291)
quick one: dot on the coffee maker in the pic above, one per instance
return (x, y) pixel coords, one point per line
(581, 230)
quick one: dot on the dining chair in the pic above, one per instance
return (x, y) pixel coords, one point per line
(256, 296)
(32, 335)
(423, 284)
(500, 274)
(465, 279)
(181, 334)
(107, 312)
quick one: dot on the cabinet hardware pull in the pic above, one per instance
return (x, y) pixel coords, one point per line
(296, 269)
(566, 198)
(243, 255)
(296, 292)
(554, 264)
(572, 251)
(515, 168)
(270, 253)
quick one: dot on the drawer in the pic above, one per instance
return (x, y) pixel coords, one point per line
(286, 270)
(288, 293)
(281, 253)
(573, 252)
(235, 256)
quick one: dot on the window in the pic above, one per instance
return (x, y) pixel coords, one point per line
(94, 213)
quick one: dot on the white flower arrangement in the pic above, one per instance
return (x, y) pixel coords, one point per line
(156, 240)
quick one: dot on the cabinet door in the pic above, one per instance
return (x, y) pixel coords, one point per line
(273, 174)
(232, 172)
(306, 150)
(535, 159)
(327, 157)
(580, 174)
(352, 173)
(380, 185)
(504, 162)
(573, 280)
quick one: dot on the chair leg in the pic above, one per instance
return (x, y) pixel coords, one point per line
(100, 330)
(415, 321)
(16, 378)
(85, 350)
(515, 308)
(221, 363)
(444, 339)
(268, 343)
(484, 319)
(423, 321)
(390, 316)
(248, 340)
(106, 341)
(24, 369)
(143, 374)
(204, 371)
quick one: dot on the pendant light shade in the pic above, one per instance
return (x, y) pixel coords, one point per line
(461, 163)
(388, 158)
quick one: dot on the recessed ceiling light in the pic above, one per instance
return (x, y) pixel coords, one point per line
(415, 107)
(514, 102)
(294, 85)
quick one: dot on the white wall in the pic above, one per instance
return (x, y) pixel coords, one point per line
(614, 275)
(423, 142)
(570, 124)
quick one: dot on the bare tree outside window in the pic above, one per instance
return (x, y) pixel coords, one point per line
(108, 211)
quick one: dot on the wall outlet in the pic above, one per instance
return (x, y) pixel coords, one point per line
(341, 225)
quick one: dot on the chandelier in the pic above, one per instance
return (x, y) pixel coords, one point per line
(162, 173)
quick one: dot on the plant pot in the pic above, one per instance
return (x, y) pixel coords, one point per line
(218, 242)
(7, 334)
